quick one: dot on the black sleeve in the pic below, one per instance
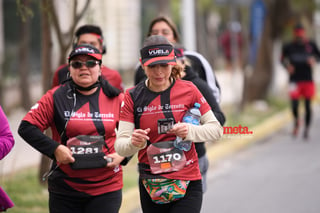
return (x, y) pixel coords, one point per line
(316, 51)
(197, 66)
(218, 113)
(207, 93)
(139, 75)
(126, 160)
(35, 137)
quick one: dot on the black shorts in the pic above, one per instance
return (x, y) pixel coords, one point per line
(190, 203)
(109, 202)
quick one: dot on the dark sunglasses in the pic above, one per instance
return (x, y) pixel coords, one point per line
(79, 64)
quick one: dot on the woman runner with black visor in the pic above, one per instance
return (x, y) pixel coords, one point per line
(150, 120)
(83, 114)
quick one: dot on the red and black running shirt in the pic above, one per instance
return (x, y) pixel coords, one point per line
(145, 107)
(84, 115)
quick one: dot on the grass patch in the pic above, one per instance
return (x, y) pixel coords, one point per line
(26, 192)
(254, 113)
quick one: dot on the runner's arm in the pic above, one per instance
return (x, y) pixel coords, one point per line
(123, 145)
(35, 137)
(210, 130)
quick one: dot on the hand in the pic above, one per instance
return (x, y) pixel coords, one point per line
(290, 69)
(63, 155)
(179, 129)
(311, 61)
(116, 159)
(139, 137)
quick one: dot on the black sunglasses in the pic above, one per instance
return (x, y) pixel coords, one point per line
(79, 64)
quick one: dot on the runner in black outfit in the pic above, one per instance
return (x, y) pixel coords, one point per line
(298, 57)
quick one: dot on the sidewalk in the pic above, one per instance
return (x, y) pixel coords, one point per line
(22, 154)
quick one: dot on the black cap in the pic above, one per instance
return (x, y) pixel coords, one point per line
(85, 49)
(157, 54)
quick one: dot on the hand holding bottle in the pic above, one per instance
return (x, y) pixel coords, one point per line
(192, 116)
(179, 129)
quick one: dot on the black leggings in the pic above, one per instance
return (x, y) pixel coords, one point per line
(109, 202)
(191, 203)
(308, 111)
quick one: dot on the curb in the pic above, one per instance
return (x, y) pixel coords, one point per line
(225, 147)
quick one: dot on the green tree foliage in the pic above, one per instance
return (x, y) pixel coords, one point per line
(23, 10)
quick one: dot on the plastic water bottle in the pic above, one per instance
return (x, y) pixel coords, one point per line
(192, 116)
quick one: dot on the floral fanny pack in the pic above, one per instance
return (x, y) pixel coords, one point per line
(164, 191)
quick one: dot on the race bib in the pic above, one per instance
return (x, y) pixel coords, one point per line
(87, 151)
(164, 125)
(165, 157)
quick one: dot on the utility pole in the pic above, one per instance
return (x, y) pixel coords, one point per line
(188, 24)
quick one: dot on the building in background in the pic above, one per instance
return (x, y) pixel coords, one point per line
(120, 22)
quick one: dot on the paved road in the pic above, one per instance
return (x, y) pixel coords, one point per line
(279, 175)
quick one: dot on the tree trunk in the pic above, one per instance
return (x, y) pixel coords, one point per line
(46, 64)
(46, 48)
(256, 84)
(24, 51)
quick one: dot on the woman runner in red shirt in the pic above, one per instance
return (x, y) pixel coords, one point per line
(150, 121)
(83, 113)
